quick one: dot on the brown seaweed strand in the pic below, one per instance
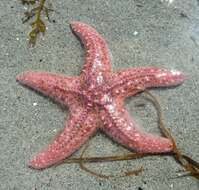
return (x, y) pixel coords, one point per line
(81, 161)
(185, 161)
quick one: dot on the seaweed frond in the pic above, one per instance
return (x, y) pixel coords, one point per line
(38, 25)
(28, 2)
(82, 161)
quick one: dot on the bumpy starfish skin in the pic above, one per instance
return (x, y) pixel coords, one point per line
(95, 97)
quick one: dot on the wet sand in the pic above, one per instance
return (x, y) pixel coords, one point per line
(139, 33)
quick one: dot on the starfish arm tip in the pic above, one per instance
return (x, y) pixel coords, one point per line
(180, 76)
(29, 77)
(21, 77)
(75, 24)
(38, 162)
(72, 22)
(33, 164)
(170, 77)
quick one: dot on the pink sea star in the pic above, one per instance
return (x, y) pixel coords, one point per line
(96, 97)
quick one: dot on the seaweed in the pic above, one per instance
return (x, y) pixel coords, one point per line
(190, 166)
(38, 25)
(81, 162)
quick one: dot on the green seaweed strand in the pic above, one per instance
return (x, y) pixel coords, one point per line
(38, 26)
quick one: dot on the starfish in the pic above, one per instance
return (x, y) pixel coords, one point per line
(96, 100)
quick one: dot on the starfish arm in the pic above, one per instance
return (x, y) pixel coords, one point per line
(131, 81)
(59, 87)
(97, 61)
(119, 125)
(74, 134)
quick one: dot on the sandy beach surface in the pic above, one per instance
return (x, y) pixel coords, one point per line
(139, 33)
